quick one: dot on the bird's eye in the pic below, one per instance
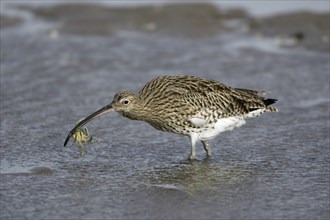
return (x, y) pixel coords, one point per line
(125, 101)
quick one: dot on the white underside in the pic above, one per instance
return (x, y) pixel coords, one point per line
(223, 124)
(209, 131)
(255, 113)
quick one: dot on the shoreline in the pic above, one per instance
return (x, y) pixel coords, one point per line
(195, 20)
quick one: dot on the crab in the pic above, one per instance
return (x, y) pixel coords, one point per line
(81, 136)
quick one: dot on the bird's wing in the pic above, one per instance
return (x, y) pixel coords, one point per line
(221, 102)
(190, 92)
(224, 100)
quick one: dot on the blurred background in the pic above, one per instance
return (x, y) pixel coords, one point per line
(62, 60)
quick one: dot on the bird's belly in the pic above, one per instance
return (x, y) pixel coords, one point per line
(221, 125)
(205, 131)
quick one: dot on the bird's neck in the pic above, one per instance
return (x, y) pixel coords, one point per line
(141, 113)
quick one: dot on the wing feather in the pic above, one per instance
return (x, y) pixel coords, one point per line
(197, 93)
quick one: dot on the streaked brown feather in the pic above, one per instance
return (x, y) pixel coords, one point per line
(169, 101)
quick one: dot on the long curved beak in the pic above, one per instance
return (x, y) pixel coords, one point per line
(105, 109)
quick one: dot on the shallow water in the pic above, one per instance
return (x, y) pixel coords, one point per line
(274, 167)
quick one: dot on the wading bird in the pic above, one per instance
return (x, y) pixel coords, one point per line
(187, 105)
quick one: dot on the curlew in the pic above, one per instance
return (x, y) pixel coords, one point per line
(188, 105)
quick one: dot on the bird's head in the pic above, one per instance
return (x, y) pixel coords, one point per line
(125, 103)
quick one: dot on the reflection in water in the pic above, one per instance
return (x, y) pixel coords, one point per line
(194, 176)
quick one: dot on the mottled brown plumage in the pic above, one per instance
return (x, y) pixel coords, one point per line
(188, 105)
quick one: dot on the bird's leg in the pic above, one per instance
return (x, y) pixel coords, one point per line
(193, 139)
(207, 148)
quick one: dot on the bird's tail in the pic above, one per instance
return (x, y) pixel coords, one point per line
(269, 102)
(256, 99)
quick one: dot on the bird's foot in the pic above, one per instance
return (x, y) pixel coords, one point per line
(207, 148)
(207, 158)
(192, 157)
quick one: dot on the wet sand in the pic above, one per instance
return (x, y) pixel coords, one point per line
(7, 21)
(309, 30)
(186, 20)
(61, 63)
